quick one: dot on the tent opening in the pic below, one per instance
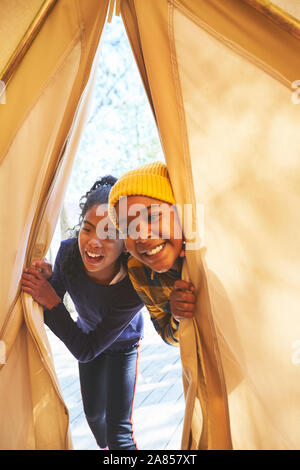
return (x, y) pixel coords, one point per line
(119, 135)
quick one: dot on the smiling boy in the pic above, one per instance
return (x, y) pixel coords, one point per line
(142, 206)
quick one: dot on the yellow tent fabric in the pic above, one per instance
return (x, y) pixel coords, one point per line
(222, 79)
(221, 89)
(46, 96)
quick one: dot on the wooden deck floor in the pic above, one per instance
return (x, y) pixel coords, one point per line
(159, 401)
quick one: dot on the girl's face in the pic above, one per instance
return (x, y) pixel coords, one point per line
(99, 256)
(154, 234)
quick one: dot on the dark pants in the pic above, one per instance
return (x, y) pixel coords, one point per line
(108, 386)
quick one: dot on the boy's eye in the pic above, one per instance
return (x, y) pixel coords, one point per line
(110, 234)
(85, 229)
(154, 217)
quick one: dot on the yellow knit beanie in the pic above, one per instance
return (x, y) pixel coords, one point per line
(151, 180)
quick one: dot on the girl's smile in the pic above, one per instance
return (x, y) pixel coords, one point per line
(93, 258)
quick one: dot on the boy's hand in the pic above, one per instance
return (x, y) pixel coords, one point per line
(43, 266)
(34, 283)
(182, 300)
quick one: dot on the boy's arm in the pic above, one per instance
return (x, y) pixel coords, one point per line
(182, 300)
(163, 321)
(165, 324)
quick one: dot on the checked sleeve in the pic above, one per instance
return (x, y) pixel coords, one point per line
(154, 289)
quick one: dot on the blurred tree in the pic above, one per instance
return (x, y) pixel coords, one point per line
(120, 133)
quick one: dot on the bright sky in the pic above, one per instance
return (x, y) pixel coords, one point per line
(120, 132)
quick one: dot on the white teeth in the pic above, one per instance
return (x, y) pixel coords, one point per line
(92, 255)
(155, 250)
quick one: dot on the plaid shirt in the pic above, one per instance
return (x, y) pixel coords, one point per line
(154, 289)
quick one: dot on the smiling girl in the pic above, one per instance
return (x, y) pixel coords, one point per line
(92, 268)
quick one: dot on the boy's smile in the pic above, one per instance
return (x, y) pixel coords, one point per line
(152, 251)
(156, 239)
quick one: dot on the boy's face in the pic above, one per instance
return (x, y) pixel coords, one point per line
(154, 234)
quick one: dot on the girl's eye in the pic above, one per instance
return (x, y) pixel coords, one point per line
(85, 229)
(129, 231)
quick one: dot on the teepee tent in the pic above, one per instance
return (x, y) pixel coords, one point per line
(222, 78)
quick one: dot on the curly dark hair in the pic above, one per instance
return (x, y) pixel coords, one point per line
(98, 194)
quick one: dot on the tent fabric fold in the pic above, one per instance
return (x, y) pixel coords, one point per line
(221, 92)
(282, 12)
(18, 33)
(221, 78)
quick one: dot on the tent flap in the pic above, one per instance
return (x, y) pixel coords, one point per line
(46, 103)
(221, 88)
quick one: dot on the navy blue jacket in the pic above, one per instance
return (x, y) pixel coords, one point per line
(109, 316)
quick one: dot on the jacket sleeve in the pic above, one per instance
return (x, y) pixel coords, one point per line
(57, 280)
(86, 346)
(159, 309)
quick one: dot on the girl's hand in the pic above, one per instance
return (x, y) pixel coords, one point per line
(34, 283)
(182, 300)
(43, 266)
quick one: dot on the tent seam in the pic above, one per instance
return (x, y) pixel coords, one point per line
(233, 45)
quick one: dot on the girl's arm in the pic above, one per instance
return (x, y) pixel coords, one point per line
(83, 346)
(34, 283)
(44, 267)
(86, 346)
